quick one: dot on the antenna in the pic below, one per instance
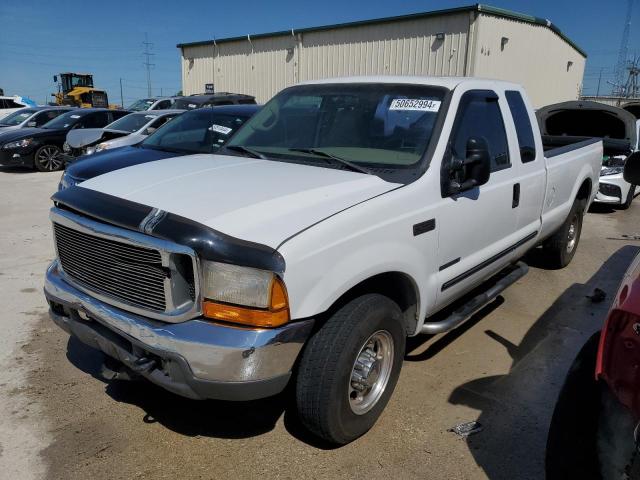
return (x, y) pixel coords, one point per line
(148, 46)
(621, 65)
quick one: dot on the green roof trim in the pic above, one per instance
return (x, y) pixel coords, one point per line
(480, 8)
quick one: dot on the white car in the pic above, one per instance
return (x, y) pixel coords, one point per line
(614, 189)
(30, 117)
(154, 103)
(345, 216)
(566, 122)
(128, 130)
(13, 104)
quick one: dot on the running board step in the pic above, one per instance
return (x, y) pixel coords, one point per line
(459, 316)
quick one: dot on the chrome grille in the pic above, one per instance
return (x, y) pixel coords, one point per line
(129, 273)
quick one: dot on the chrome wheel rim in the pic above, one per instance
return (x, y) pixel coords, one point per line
(370, 373)
(49, 158)
(573, 234)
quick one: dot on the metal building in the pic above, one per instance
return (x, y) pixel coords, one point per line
(478, 40)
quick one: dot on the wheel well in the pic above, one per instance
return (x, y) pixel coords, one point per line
(585, 190)
(397, 286)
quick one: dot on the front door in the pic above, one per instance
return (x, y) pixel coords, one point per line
(477, 228)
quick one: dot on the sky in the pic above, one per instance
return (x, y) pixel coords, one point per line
(39, 39)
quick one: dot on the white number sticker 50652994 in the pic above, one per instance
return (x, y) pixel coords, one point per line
(419, 104)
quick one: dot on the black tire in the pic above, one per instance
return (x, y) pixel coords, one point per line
(560, 248)
(324, 380)
(629, 199)
(48, 158)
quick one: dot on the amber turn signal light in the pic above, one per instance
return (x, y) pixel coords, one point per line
(277, 314)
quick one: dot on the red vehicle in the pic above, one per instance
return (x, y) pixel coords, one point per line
(595, 429)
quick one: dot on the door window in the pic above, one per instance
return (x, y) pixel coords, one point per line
(43, 117)
(479, 116)
(95, 120)
(524, 131)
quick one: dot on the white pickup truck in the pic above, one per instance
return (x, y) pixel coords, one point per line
(345, 216)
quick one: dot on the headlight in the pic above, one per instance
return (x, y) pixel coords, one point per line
(243, 295)
(89, 150)
(66, 181)
(25, 142)
(611, 171)
(101, 146)
(66, 147)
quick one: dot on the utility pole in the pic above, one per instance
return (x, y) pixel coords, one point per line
(621, 65)
(122, 97)
(147, 54)
(599, 80)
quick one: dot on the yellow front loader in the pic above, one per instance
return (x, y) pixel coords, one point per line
(76, 89)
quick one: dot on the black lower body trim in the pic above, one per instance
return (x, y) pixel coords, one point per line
(486, 263)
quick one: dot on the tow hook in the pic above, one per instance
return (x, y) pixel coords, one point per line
(143, 365)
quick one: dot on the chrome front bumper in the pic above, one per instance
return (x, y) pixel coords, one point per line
(195, 358)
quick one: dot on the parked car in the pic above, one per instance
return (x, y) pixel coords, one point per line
(41, 148)
(338, 220)
(12, 104)
(205, 131)
(594, 429)
(567, 122)
(127, 130)
(213, 100)
(30, 117)
(153, 103)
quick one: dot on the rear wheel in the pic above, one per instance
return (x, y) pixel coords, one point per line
(561, 246)
(48, 158)
(350, 368)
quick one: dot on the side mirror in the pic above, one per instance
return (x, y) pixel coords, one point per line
(150, 130)
(632, 169)
(31, 124)
(473, 170)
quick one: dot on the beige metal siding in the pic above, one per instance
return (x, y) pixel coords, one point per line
(405, 47)
(264, 66)
(197, 68)
(533, 56)
(259, 67)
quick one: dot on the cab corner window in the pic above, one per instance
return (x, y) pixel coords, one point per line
(479, 116)
(522, 123)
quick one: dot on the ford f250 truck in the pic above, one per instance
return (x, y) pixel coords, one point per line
(345, 216)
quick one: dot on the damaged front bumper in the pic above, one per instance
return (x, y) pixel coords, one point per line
(196, 358)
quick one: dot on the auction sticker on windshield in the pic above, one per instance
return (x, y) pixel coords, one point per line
(220, 129)
(419, 104)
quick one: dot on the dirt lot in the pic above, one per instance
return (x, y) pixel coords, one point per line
(503, 368)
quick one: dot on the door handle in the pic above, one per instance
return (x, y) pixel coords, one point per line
(516, 195)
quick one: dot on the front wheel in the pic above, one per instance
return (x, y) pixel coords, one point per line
(350, 368)
(629, 198)
(48, 158)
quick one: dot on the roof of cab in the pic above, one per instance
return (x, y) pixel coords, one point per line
(446, 82)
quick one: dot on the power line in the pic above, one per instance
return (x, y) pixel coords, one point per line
(147, 63)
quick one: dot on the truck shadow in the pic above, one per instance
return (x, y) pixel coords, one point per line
(208, 418)
(516, 408)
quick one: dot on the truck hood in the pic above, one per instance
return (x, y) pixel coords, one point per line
(256, 200)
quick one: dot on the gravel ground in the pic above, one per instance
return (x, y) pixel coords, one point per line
(503, 368)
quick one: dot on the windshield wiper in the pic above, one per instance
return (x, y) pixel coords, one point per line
(250, 151)
(321, 153)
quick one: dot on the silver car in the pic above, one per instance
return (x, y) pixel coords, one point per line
(30, 117)
(128, 130)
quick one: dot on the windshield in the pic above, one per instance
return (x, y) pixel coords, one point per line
(16, 118)
(142, 104)
(372, 125)
(199, 131)
(131, 123)
(64, 121)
